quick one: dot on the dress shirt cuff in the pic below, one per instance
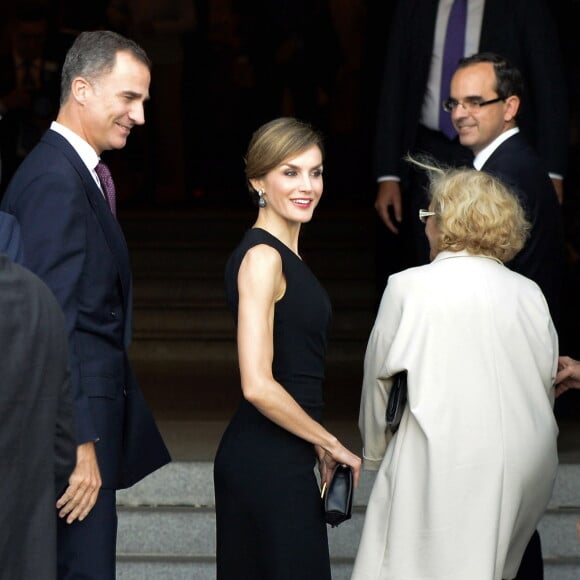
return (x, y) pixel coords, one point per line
(388, 178)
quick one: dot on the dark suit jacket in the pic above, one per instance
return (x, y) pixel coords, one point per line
(74, 243)
(10, 243)
(37, 444)
(542, 258)
(521, 30)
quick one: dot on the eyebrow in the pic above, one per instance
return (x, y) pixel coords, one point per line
(468, 97)
(292, 166)
(135, 95)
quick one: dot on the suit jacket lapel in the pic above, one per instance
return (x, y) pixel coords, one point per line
(504, 149)
(111, 229)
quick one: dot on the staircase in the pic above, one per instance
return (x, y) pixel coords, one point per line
(183, 330)
(167, 527)
(185, 358)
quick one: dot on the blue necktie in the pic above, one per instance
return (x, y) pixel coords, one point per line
(453, 50)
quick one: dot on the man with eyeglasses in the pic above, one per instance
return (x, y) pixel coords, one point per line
(409, 109)
(485, 98)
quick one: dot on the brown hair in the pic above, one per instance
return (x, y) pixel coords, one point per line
(275, 142)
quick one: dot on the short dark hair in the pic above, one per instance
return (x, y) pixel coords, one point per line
(508, 79)
(93, 54)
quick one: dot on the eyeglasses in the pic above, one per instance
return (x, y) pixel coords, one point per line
(424, 214)
(470, 104)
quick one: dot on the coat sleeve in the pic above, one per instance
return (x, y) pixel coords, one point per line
(52, 215)
(10, 243)
(377, 378)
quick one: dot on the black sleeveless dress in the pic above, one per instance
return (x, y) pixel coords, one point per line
(270, 521)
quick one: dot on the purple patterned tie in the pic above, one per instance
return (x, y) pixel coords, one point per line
(452, 52)
(107, 184)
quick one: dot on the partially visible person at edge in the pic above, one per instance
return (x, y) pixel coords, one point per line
(37, 439)
(480, 351)
(72, 240)
(414, 85)
(270, 518)
(487, 94)
(568, 377)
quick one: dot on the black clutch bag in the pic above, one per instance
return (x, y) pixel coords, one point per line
(397, 401)
(338, 497)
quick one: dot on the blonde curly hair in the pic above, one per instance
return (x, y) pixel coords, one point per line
(476, 212)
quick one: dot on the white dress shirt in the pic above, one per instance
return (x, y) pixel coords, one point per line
(487, 152)
(87, 154)
(432, 100)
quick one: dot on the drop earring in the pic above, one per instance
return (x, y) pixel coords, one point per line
(261, 200)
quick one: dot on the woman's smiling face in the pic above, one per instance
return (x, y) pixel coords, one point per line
(294, 188)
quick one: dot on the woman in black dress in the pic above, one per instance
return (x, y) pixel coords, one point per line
(270, 520)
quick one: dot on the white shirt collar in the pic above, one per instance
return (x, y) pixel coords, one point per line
(87, 154)
(486, 153)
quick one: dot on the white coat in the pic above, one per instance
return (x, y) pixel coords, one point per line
(462, 485)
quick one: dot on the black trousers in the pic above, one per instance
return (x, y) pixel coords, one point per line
(532, 566)
(87, 549)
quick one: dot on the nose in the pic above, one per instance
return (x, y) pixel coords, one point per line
(306, 182)
(137, 113)
(458, 112)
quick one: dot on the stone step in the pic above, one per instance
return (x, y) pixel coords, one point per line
(159, 348)
(140, 568)
(215, 322)
(135, 567)
(229, 226)
(331, 260)
(190, 483)
(194, 289)
(167, 526)
(185, 391)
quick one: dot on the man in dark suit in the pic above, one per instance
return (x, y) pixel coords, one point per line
(485, 97)
(72, 240)
(37, 444)
(408, 118)
(486, 94)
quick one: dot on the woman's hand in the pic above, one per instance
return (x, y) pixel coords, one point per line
(321, 463)
(328, 459)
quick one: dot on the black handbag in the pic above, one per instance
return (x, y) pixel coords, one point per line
(397, 401)
(338, 497)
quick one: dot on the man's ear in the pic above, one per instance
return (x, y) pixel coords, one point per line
(512, 106)
(80, 89)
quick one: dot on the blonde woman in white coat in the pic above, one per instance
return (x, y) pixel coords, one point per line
(462, 485)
